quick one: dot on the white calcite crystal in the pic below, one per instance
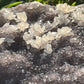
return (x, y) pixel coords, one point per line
(36, 29)
(22, 26)
(8, 14)
(78, 15)
(48, 49)
(41, 41)
(2, 40)
(8, 28)
(65, 8)
(61, 19)
(21, 16)
(36, 43)
(64, 32)
(27, 36)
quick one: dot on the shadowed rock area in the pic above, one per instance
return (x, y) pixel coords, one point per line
(42, 44)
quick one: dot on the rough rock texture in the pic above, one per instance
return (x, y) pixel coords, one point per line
(42, 44)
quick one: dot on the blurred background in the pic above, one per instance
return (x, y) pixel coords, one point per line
(11, 3)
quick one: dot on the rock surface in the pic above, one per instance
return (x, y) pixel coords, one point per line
(42, 44)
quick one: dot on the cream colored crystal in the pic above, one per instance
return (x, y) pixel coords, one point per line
(22, 16)
(78, 15)
(8, 28)
(2, 40)
(26, 36)
(63, 32)
(65, 8)
(8, 14)
(36, 43)
(39, 42)
(36, 30)
(50, 36)
(22, 26)
(48, 49)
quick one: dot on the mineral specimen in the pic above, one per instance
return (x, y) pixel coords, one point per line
(21, 16)
(42, 44)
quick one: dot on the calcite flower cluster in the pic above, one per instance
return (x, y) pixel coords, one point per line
(20, 18)
(39, 41)
(79, 16)
(13, 24)
(37, 35)
(65, 8)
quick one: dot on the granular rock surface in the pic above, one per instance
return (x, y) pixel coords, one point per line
(42, 44)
